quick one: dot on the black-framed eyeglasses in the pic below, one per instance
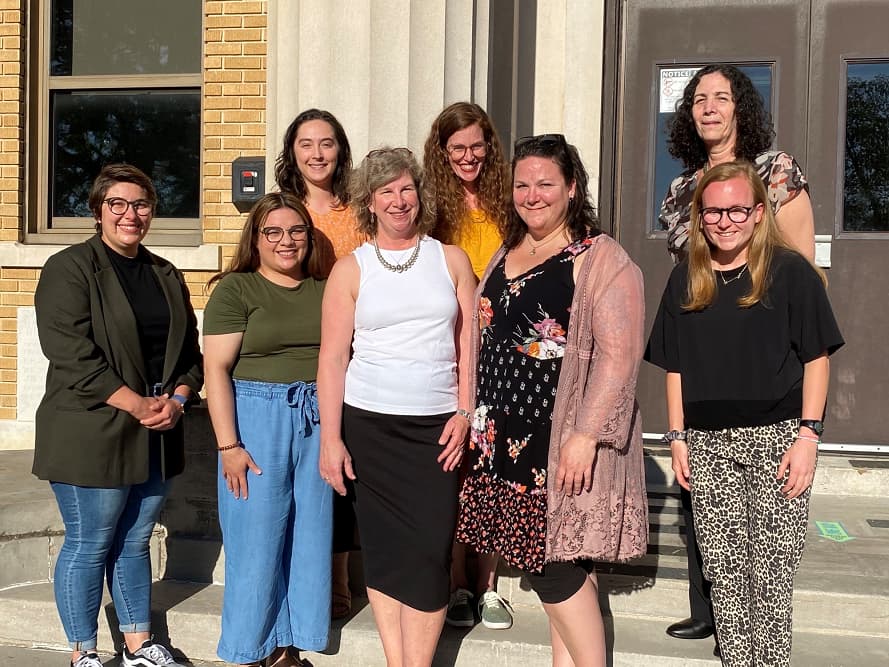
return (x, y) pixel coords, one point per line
(737, 214)
(382, 151)
(540, 140)
(458, 151)
(275, 234)
(119, 206)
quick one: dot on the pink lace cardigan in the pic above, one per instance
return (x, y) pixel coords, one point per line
(596, 397)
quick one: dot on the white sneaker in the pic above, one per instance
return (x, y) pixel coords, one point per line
(150, 655)
(87, 659)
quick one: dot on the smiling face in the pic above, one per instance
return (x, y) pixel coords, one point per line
(396, 205)
(540, 194)
(316, 152)
(123, 233)
(713, 110)
(466, 150)
(729, 240)
(284, 258)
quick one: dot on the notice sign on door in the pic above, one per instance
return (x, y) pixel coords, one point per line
(673, 82)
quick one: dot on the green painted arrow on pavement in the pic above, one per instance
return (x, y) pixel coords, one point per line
(833, 530)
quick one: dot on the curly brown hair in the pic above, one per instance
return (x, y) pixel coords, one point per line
(755, 133)
(444, 189)
(581, 216)
(246, 257)
(379, 167)
(287, 174)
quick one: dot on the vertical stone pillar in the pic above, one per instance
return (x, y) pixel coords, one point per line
(384, 68)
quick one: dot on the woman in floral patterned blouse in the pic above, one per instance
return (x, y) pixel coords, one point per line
(556, 477)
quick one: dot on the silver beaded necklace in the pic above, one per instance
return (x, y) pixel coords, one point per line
(398, 268)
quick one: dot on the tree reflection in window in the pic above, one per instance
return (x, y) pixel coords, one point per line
(157, 131)
(866, 168)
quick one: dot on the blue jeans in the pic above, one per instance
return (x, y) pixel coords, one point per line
(277, 542)
(107, 532)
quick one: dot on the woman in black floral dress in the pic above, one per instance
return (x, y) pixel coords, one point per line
(555, 422)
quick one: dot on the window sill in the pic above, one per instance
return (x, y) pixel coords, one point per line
(205, 257)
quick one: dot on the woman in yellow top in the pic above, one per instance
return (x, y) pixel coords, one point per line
(314, 164)
(467, 180)
(468, 191)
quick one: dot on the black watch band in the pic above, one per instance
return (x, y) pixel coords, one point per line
(816, 425)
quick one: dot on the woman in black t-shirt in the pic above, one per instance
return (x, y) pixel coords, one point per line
(744, 331)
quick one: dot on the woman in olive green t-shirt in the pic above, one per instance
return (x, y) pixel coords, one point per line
(262, 333)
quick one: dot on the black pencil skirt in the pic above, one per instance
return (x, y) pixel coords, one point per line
(405, 504)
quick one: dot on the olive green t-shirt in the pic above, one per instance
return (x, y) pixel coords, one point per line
(281, 325)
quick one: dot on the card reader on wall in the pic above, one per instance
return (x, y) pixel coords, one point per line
(248, 181)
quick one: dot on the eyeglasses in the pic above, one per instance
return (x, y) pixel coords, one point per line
(540, 140)
(737, 214)
(383, 151)
(275, 234)
(119, 206)
(458, 151)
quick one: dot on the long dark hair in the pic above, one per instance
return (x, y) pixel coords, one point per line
(287, 174)
(581, 217)
(246, 257)
(755, 133)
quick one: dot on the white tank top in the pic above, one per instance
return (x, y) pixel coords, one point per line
(404, 358)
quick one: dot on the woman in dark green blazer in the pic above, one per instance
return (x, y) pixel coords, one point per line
(117, 326)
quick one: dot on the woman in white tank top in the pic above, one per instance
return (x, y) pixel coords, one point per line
(393, 396)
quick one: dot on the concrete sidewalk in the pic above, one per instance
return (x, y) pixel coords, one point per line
(841, 603)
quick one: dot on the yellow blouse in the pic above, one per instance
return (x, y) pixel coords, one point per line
(480, 238)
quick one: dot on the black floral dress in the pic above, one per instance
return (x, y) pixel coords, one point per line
(523, 324)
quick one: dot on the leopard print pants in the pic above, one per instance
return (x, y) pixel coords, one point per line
(751, 538)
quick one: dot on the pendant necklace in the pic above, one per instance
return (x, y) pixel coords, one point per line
(398, 268)
(546, 239)
(733, 278)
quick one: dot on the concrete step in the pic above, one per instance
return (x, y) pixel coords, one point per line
(185, 617)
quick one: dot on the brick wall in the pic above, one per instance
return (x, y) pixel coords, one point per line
(234, 125)
(16, 285)
(234, 115)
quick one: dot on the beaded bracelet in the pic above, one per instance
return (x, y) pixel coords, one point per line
(234, 445)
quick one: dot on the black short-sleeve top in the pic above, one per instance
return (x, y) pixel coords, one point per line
(744, 366)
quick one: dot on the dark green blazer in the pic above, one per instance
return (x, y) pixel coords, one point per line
(89, 334)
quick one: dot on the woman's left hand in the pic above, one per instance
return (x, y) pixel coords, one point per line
(453, 439)
(166, 415)
(576, 460)
(800, 460)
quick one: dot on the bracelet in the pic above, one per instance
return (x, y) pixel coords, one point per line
(181, 400)
(234, 445)
(465, 414)
(800, 436)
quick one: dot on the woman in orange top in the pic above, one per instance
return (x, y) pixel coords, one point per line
(468, 191)
(314, 164)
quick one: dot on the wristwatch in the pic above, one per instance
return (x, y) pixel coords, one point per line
(816, 425)
(670, 436)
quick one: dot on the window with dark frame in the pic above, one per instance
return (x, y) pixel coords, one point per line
(866, 154)
(119, 81)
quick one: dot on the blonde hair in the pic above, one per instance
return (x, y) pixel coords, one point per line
(766, 239)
